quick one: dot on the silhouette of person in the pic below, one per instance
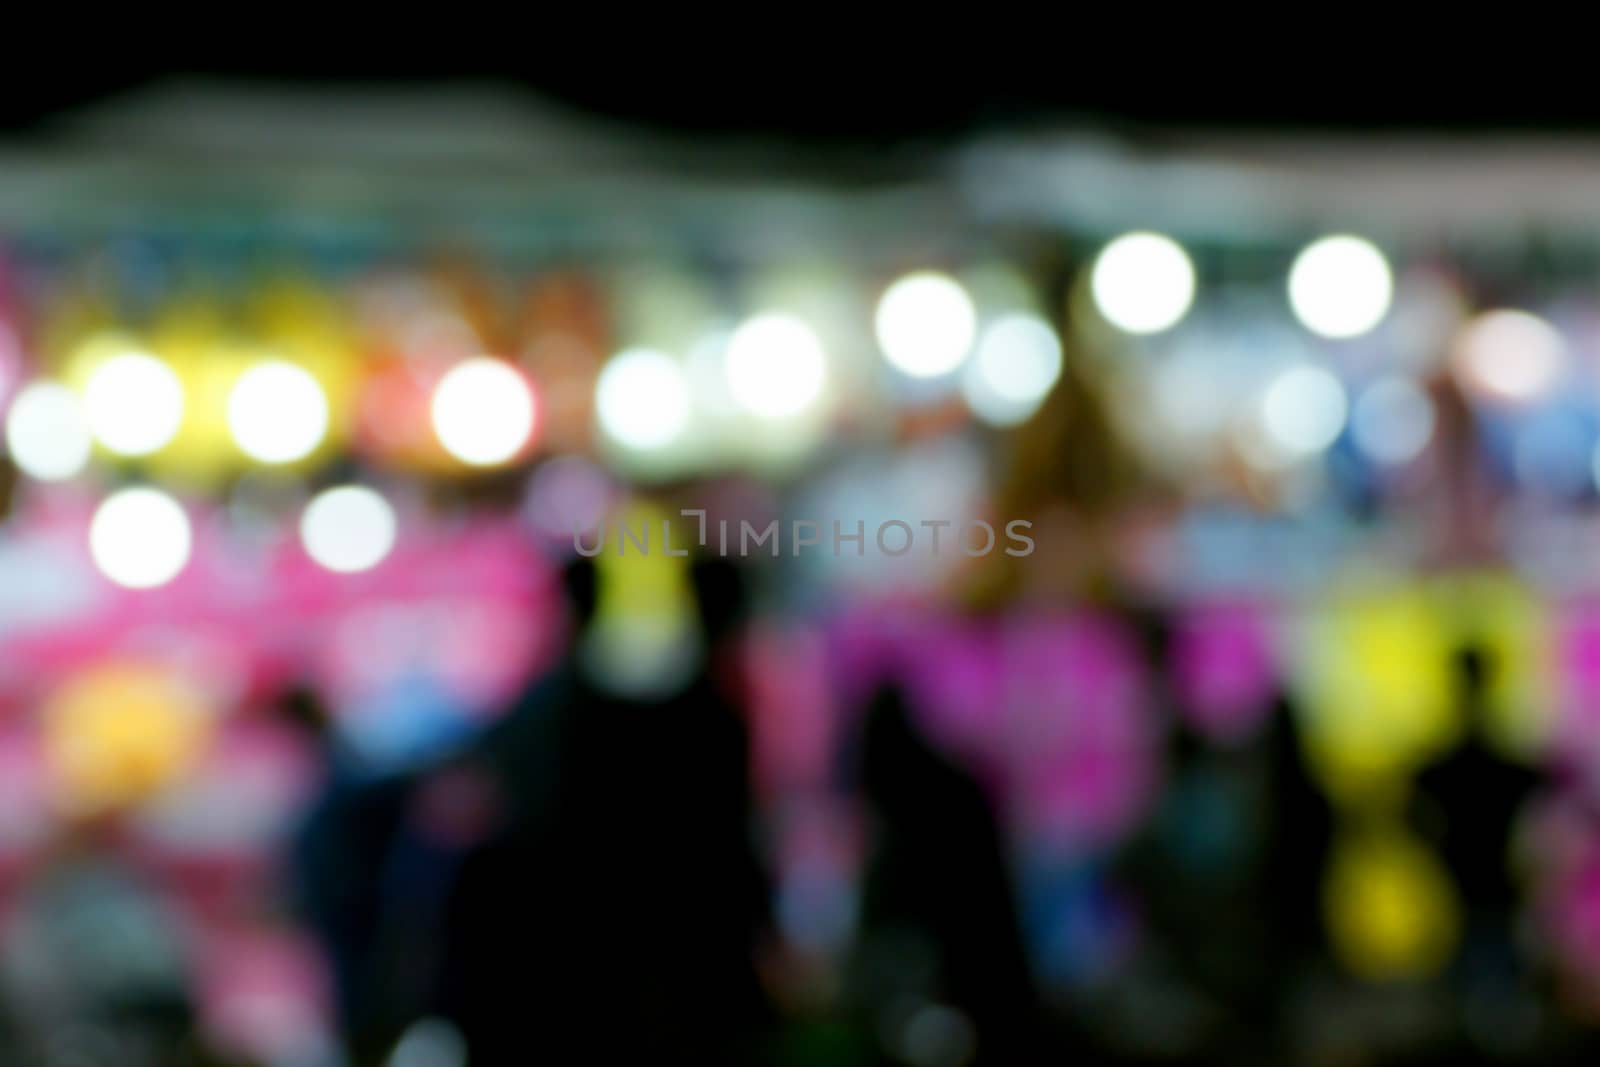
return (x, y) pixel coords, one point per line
(1228, 874)
(619, 908)
(1468, 805)
(940, 968)
(335, 871)
(1469, 802)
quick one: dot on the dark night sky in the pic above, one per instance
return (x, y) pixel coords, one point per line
(816, 95)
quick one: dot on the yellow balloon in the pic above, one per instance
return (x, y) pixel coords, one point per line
(1377, 689)
(644, 636)
(117, 734)
(1510, 622)
(1391, 909)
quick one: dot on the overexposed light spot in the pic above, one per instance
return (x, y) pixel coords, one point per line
(47, 432)
(1304, 410)
(483, 411)
(774, 365)
(1392, 421)
(1340, 286)
(1143, 282)
(642, 399)
(1017, 362)
(925, 324)
(134, 404)
(140, 538)
(277, 412)
(349, 528)
(1509, 355)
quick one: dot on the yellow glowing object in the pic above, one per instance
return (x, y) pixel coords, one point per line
(1391, 910)
(1378, 690)
(196, 338)
(644, 639)
(1507, 620)
(118, 734)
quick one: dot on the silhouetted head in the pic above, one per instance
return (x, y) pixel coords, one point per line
(893, 759)
(721, 597)
(1473, 665)
(303, 708)
(580, 585)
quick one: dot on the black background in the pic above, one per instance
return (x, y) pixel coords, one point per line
(833, 85)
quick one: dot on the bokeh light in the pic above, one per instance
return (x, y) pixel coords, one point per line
(277, 412)
(483, 411)
(642, 399)
(1509, 355)
(348, 529)
(140, 538)
(1551, 453)
(1304, 410)
(1391, 910)
(1017, 363)
(134, 404)
(775, 365)
(1392, 421)
(1143, 282)
(119, 733)
(1340, 286)
(47, 432)
(925, 324)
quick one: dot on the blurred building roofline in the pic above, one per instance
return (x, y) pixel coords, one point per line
(490, 158)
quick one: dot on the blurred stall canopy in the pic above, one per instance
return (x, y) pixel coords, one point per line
(479, 160)
(499, 164)
(1251, 187)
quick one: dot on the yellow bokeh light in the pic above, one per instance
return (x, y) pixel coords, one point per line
(117, 734)
(1378, 690)
(1391, 910)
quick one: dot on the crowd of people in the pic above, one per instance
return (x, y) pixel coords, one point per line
(595, 876)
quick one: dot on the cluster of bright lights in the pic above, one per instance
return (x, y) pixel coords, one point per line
(642, 399)
(774, 366)
(1339, 286)
(483, 411)
(134, 404)
(348, 529)
(140, 538)
(277, 412)
(926, 323)
(1017, 363)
